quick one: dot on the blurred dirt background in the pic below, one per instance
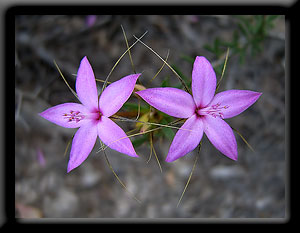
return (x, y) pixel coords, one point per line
(252, 187)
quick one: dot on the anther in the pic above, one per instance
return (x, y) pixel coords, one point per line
(73, 116)
(214, 110)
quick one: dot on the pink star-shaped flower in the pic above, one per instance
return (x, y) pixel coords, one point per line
(92, 116)
(204, 111)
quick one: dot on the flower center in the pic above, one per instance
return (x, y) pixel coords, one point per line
(76, 116)
(98, 115)
(215, 110)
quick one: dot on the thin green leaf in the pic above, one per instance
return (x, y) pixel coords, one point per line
(139, 141)
(209, 48)
(134, 107)
(270, 19)
(165, 82)
(168, 133)
(188, 59)
(243, 30)
(179, 72)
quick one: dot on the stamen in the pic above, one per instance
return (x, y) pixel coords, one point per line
(73, 116)
(214, 110)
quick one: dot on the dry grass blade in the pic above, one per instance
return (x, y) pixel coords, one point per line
(129, 53)
(177, 75)
(139, 109)
(188, 181)
(131, 131)
(140, 133)
(74, 93)
(149, 123)
(157, 160)
(106, 80)
(102, 81)
(117, 177)
(161, 67)
(153, 149)
(102, 148)
(137, 87)
(250, 147)
(223, 70)
(68, 144)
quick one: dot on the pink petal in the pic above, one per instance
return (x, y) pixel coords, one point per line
(172, 101)
(203, 82)
(186, 139)
(116, 94)
(61, 115)
(86, 85)
(234, 102)
(114, 137)
(83, 143)
(220, 135)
